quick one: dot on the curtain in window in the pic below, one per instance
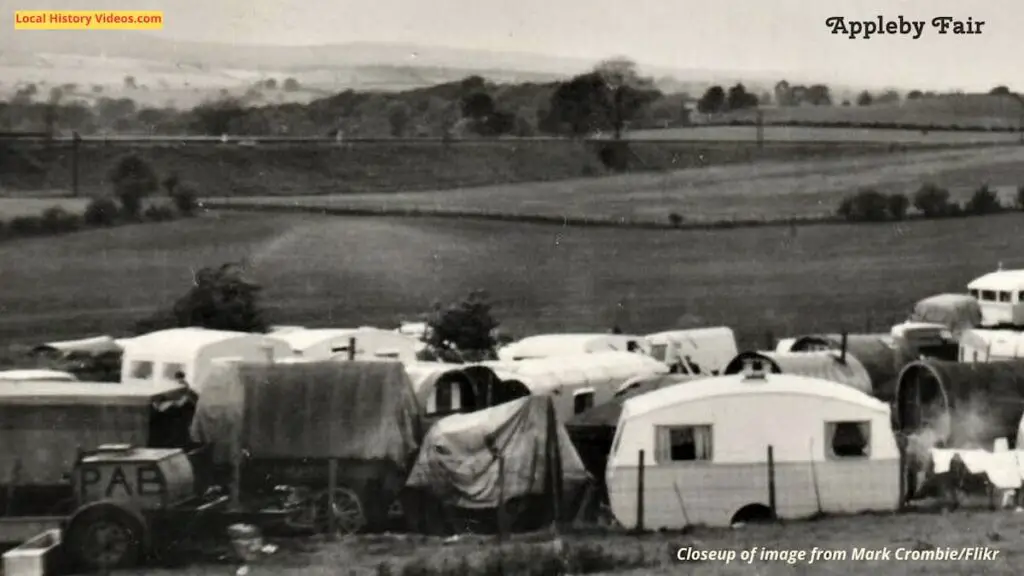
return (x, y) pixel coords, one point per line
(702, 442)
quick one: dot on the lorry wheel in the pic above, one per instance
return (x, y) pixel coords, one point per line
(104, 538)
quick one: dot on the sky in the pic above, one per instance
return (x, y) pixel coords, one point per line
(734, 35)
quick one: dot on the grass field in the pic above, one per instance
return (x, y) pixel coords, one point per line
(369, 271)
(809, 134)
(1000, 531)
(960, 110)
(231, 170)
(763, 190)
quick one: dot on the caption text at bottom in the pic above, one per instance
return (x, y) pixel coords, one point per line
(792, 557)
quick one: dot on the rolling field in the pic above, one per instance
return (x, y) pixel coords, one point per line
(216, 169)
(761, 190)
(1000, 532)
(369, 271)
(809, 134)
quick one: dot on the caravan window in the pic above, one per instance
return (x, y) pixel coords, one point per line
(684, 443)
(582, 400)
(142, 370)
(848, 439)
(658, 351)
(447, 398)
(975, 293)
(1020, 296)
(172, 368)
(988, 295)
(1005, 297)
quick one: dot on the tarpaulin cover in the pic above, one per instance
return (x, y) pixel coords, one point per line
(824, 365)
(457, 466)
(984, 401)
(44, 424)
(958, 312)
(362, 411)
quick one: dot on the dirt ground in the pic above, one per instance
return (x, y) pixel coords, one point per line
(999, 535)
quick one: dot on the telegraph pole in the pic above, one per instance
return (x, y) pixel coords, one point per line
(76, 140)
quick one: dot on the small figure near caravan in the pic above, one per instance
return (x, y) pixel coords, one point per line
(696, 351)
(551, 345)
(156, 357)
(333, 343)
(710, 446)
(1000, 296)
(980, 345)
(578, 382)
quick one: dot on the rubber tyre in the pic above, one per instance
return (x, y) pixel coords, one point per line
(104, 538)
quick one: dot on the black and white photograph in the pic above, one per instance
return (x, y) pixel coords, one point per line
(532, 288)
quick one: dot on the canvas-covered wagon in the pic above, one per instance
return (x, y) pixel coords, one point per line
(45, 425)
(823, 365)
(957, 312)
(515, 455)
(444, 389)
(579, 382)
(273, 425)
(881, 355)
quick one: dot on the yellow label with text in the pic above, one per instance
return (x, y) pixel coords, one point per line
(88, 20)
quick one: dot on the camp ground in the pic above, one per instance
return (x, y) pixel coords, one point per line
(156, 357)
(581, 381)
(329, 343)
(709, 457)
(551, 345)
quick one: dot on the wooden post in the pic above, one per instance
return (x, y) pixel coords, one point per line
(760, 129)
(332, 486)
(771, 479)
(501, 496)
(640, 493)
(236, 483)
(351, 349)
(75, 142)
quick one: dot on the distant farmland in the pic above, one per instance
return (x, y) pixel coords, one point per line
(809, 134)
(770, 190)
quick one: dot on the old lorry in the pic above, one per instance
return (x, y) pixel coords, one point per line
(312, 446)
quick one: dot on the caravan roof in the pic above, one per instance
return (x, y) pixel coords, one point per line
(1010, 280)
(181, 342)
(741, 384)
(548, 345)
(304, 338)
(85, 393)
(553, 372)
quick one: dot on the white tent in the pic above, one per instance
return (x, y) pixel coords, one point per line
(549, 345)
(333, 343)
(706, 444)
(578, 382)
(157, 356)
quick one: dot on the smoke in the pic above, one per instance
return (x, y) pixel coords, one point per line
(968, 426)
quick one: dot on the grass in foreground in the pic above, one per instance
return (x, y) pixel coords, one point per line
(655, 554)
(766, 190)
(335, 271)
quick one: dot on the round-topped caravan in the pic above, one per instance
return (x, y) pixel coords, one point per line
(1000, 296)
(706, 446)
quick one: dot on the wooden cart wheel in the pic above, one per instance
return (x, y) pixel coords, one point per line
(349, 517)
(104, 538)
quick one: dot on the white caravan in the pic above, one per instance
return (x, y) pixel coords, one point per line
(156, 357)
(706, 445)
(979, 345)
(581, 381)
(550, 345)
(702, 350)
(333, 343)
(1000, 296)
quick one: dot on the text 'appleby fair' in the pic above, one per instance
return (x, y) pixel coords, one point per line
(900, 26)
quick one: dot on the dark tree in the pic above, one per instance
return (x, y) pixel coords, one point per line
(607, 98)
(467, 325)
(477, 106)
(133, 178)
(712, 101)
(216, 118)
(738, 98)
(864, 99)
(220, 298)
